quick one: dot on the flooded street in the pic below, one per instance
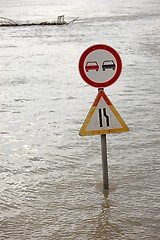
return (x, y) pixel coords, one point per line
(50, 177)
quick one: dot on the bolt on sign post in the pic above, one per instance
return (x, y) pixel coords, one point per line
(100, 66)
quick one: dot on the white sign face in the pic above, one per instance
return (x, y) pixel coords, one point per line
(103, 118)
(100, 66)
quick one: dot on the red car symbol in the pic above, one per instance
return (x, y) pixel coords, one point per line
(91, 66)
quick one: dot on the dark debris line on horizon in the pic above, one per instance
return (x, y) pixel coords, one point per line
(6, 22)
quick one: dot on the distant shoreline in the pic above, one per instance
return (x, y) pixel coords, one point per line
(32, 24)
(10, 23)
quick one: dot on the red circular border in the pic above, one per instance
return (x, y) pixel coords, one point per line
(91, 49)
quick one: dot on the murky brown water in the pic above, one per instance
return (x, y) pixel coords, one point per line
(50, 177)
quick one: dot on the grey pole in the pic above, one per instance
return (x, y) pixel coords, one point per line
(104, 159)
(104, 162)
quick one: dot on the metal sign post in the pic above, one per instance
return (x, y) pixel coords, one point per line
(104, 158)
(104, 162)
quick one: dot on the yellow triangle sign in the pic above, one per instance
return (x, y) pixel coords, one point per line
(103, 118)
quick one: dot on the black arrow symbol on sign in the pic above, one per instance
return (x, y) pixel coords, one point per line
(105, 115)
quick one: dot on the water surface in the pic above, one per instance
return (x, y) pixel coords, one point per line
(50, 177)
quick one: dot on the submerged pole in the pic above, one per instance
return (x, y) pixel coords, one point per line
(104, 159)
(104, 162)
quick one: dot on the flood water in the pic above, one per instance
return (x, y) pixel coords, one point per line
(50, 177)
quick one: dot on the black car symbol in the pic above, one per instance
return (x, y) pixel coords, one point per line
(108, 64)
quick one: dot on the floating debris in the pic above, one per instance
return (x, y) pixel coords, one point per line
(72, 20)
(7, 22)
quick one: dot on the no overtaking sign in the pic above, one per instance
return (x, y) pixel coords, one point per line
(100, 65)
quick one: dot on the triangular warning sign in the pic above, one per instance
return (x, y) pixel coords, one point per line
(103, 118)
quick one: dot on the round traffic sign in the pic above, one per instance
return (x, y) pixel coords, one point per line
(100, 65)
